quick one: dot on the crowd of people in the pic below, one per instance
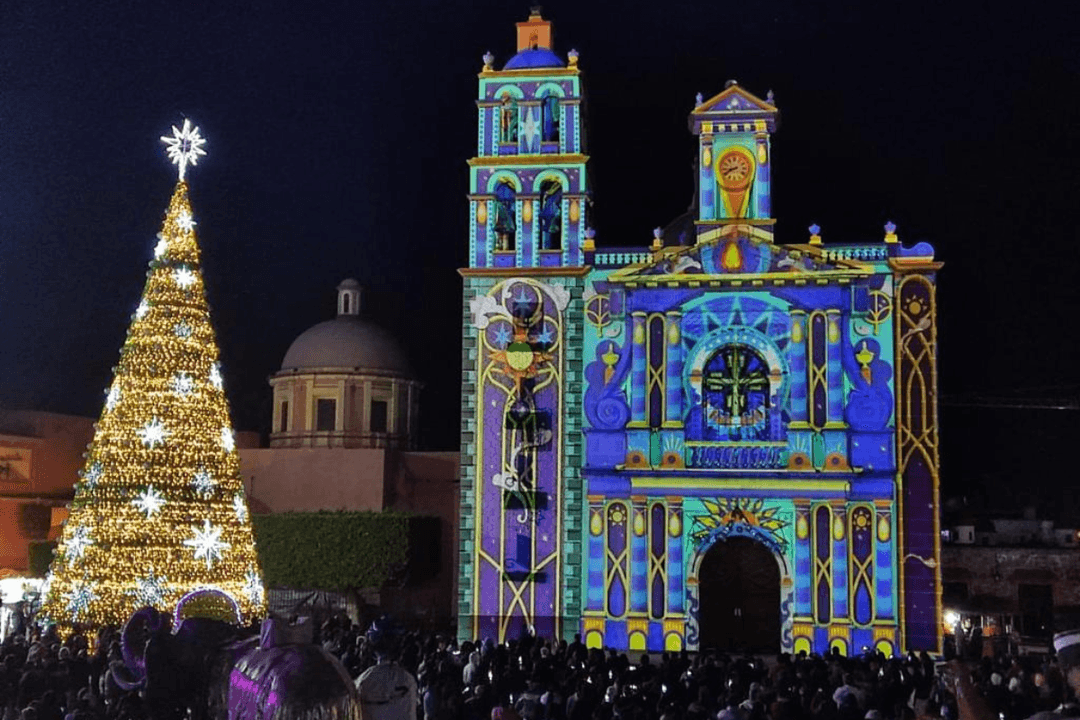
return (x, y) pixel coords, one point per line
(45, 678)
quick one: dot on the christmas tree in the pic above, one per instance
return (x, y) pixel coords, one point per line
(160, 510)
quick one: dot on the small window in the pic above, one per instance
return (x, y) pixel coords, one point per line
(551, 215)
(378, 416)
(549, 114)
(505, 216)
(325, 415)
(283, 423)
(508, 120)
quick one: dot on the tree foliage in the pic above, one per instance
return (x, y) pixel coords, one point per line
(337, 551)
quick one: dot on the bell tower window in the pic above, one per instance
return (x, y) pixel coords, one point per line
(505, 216)
(549, 118)
(508, 120)
(551, 215)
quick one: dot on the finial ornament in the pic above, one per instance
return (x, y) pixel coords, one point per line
(489, 61)
(698, 99)
(590, 239)
(185, 146)
(890, 232)
(658, 238)
(815, 234)
(573, 56)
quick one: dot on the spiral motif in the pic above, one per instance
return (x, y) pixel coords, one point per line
(612, 412)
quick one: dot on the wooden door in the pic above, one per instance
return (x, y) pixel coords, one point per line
(739, 597)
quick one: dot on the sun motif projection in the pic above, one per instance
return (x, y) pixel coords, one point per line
(739, 516)
(160, 510)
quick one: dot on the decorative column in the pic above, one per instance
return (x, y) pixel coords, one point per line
(835, 412)
(571, 230)
(840, 560)
(521, 232)
(529, 224)
(673, 417)
(637, 371)
(761, 181)
(639, 558)
(707, 196)
(917, 450)
(804, 571)
(478, 252)
(594, 597)
(884, 575)
(676, 588)
(796, 351)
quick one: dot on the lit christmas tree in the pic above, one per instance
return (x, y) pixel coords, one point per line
(160, 510)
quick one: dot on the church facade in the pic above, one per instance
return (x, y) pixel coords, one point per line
(716, 440)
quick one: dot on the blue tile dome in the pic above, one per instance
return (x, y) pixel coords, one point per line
(536, 58)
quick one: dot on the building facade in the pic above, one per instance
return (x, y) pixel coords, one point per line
(716, 440)
(345, 383)
(40, 457)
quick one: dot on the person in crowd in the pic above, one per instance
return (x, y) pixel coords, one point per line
(387, 690)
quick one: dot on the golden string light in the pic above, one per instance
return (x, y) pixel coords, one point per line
(164, 434)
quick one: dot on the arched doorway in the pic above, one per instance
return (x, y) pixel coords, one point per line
(739, 591)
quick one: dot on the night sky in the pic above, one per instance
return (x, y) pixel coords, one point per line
(337, 142)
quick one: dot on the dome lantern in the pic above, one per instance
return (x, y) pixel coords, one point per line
(348, 298)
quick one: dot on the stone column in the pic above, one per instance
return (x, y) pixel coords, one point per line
(676, 590)
(594, 596)
(637, 371)
(797, 361)
(835, 411)
(673, 417)
(639, 557)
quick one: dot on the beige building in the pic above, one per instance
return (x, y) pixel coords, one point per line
(344, 425)
(345, 383)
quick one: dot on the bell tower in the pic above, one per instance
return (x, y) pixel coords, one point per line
(527, 181)
(521, 450)
(734, 170)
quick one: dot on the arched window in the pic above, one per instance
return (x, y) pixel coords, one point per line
(551, 215)
(735, 395)
(549, 118)
(508, 120)
(505, 216)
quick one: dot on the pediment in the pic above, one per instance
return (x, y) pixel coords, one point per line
(738, 256)
(732, 100)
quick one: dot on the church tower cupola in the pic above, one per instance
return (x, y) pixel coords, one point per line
(534, 33)
(528, 184)
(348, 303)
(734, 163)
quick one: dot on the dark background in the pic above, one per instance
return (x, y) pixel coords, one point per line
(338, 137)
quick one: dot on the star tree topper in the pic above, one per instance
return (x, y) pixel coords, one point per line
(185, 146)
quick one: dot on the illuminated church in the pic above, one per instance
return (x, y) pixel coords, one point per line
(716, 440)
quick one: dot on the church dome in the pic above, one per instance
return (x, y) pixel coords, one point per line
(347, 341)
(534, 58)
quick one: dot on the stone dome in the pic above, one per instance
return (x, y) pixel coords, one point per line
(347, 341)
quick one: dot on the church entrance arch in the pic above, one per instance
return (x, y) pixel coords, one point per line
(739, 589)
